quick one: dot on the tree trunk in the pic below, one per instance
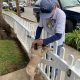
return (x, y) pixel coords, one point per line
(17, 6)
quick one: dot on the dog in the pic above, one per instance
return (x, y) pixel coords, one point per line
(36, 56)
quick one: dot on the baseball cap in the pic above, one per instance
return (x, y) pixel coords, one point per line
(46, 6)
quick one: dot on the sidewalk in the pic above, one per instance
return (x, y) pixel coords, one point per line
(17, 75)
(70, 50)
(20, 75)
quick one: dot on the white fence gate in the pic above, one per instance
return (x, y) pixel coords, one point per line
(25, 31)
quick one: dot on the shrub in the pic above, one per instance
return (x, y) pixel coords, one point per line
(73, 39)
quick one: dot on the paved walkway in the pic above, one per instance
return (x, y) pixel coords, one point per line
(69, 50)
(17, 75)
(21, 74)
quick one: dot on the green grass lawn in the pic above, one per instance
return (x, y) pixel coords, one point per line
(11, 57)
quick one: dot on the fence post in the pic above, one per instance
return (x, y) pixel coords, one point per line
(69, 61)
(62, 53)
(55, 52)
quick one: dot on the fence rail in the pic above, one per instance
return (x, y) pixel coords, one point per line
(25, 31)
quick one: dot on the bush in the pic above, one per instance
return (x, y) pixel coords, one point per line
(73, 39)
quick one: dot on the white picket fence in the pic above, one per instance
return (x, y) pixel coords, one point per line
(25, 31)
